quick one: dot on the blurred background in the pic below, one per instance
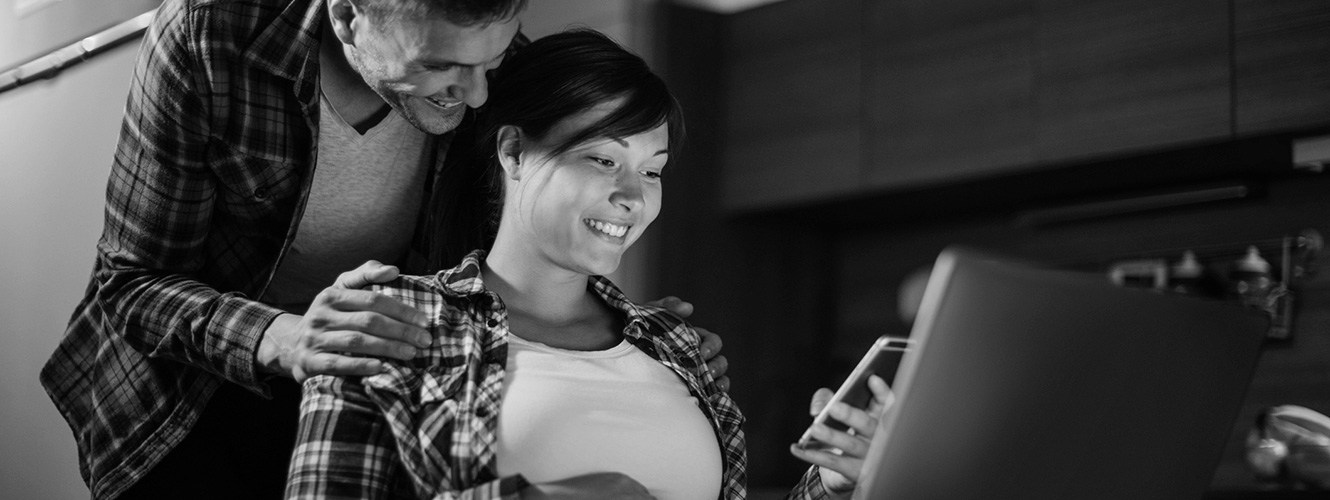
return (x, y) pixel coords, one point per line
(835, 146)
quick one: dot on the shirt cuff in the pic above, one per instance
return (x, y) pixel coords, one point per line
(240, 330)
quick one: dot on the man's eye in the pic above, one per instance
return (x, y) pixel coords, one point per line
(653, 174)
(602, 161)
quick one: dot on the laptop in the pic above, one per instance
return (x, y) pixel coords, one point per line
(1032, 383)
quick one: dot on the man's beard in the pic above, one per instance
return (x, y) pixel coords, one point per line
(415, 110)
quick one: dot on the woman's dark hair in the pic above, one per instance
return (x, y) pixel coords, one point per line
(535, 88)
(567, 73)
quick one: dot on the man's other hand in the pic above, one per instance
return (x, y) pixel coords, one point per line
(711, 342)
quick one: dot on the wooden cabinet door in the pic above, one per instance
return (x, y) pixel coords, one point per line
(1120, 76)
(1281, 56)
(791, 132)
(947, 90)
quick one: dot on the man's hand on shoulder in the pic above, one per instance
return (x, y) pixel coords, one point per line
(711, 343)
(345, 330)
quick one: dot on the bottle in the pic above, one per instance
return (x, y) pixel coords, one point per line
(1186, 276)
(1251, 280)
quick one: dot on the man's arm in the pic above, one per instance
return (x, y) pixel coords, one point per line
(162, 198)
(159, 210)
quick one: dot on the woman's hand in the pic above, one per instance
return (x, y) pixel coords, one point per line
(840, 466)
(607, 485)
(711, 343)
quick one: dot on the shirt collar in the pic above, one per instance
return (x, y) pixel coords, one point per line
(465, 280)
(291, 42)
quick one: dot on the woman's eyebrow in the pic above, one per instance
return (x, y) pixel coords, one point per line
(624, 143)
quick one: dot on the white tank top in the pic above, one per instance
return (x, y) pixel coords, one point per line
(567, 413)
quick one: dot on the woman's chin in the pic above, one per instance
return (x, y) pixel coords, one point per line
(600, 266)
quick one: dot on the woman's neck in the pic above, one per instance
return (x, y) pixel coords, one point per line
(547, 294)
(548, 304)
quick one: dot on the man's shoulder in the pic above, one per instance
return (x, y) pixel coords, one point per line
(238, 7)
(240, 20)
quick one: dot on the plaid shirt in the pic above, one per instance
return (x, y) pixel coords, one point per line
(209, 180)
(426, 428)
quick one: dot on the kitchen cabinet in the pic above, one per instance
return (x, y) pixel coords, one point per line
(1281, 57)
(947, 90)
(1120, 76)
(835, 100)
(791, 87)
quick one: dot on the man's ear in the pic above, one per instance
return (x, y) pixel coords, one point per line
(343, 14)
(510, 151)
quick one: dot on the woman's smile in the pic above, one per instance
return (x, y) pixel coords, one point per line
(607, 230)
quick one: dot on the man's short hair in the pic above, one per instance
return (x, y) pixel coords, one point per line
(459, 12)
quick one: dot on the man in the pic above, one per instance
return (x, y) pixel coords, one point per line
(267, 148)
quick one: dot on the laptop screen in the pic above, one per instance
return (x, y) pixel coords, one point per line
(1026, 382)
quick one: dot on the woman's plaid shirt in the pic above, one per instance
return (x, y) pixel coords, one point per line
(426, 429)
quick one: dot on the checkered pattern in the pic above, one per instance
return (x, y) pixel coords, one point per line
(209, 176)
(426, 428)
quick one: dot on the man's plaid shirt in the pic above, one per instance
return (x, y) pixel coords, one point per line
(426, 428)
(208, 182)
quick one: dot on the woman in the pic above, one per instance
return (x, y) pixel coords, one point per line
(544, 379)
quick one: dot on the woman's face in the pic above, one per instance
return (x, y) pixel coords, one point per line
(581, 209)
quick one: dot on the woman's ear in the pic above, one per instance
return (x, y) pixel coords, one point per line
(342, 14)
(510, 151)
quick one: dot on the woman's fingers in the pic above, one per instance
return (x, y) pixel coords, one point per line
(860, 421)
(852, 445)
(819, 401)
(883, 397)
(846, 466)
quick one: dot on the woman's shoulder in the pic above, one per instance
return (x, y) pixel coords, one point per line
(659, 319)
(423, 293)
(660, 323)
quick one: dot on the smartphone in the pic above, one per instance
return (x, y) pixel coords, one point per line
(882, 359)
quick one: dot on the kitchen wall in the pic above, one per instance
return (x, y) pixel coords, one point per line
(56, 140)
(30, 28)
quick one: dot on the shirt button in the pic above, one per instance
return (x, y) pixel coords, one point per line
(261, 193)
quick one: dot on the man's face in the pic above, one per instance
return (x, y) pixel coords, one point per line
(429, 70)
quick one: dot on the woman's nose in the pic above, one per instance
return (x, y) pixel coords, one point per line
(628, 191)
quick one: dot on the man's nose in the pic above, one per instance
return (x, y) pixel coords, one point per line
(471, 87)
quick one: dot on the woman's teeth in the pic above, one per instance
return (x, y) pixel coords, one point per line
(607, 228)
